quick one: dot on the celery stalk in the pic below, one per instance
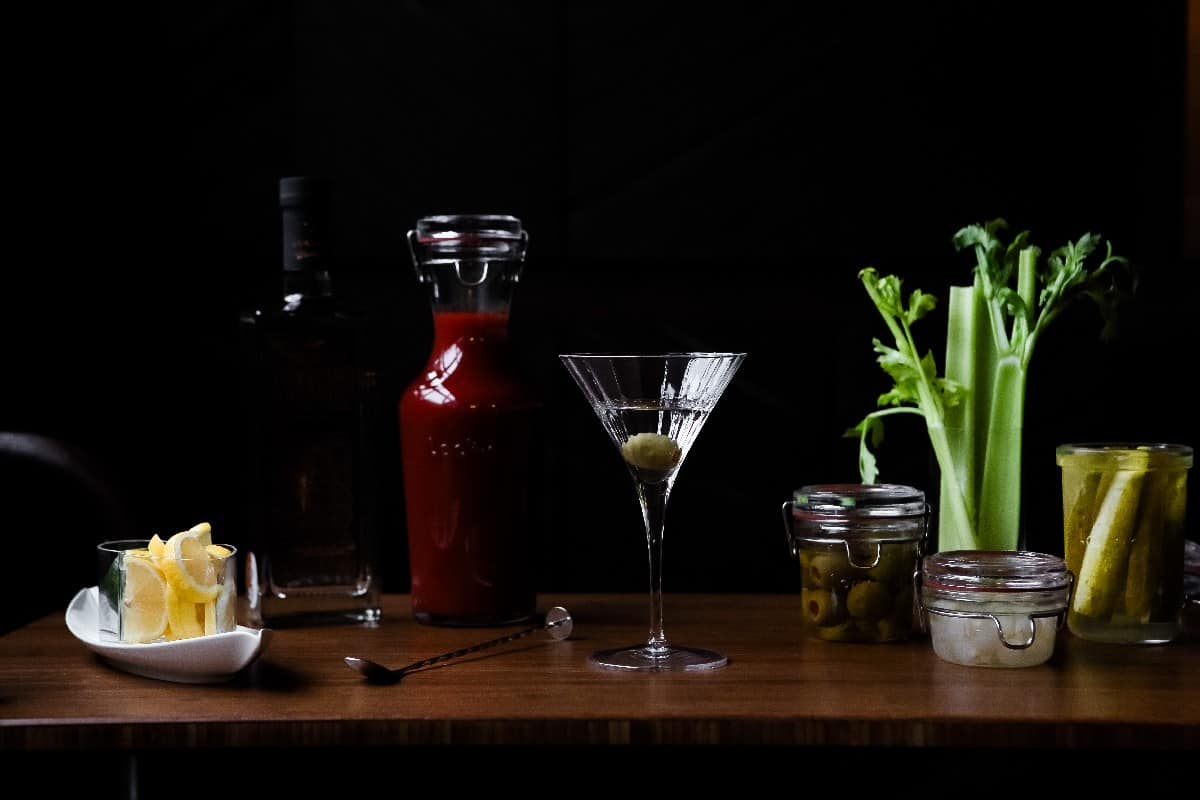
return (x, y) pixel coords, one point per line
(985, 379)
(960, 418)
(1027, 291)
(1000, 491)
(974, 415)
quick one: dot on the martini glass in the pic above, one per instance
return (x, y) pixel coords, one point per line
(653, 407)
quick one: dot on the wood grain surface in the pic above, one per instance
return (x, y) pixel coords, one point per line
(779, 689)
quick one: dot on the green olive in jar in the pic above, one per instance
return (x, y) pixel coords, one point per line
(822, 607)
(893, 627)
(805, 557)
(869, 600)
(827, 570)
(845, 632)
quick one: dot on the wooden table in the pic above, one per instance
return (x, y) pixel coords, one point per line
(779, 689)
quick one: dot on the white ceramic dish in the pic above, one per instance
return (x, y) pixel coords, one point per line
(204, 659)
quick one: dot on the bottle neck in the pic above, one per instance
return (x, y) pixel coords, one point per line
(468, 262)
(469, 329)
(469, 285)
(306, 287)
(305, 264)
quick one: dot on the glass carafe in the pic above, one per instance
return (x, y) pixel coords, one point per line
(468, 430)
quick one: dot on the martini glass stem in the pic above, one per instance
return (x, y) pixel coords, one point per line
(653, 498)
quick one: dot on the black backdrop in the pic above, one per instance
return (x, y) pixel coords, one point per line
(692, 179)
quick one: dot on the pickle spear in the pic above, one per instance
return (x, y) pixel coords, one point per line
(1078, 518)
(1143, 575)
(1170, 547)
(1101, 574)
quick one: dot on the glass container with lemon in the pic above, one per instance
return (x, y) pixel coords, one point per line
(154, 590)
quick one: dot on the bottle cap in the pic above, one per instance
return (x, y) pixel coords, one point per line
(303, 190)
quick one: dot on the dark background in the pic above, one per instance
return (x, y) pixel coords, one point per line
(692, 178)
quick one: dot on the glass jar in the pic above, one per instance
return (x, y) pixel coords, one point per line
(470, 431)
(1124, 507)
(858, 546)
(994, 608)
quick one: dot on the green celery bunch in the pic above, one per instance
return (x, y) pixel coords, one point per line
(974, 413)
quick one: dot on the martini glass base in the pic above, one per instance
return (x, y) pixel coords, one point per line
(671, 659)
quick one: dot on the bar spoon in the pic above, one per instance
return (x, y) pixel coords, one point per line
(557, 623)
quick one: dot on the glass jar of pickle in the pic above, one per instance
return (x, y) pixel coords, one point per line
(858, 546)
(1124, 514)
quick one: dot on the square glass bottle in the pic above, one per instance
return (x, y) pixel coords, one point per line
(312, 404)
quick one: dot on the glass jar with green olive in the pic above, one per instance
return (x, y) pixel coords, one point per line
(858, 547)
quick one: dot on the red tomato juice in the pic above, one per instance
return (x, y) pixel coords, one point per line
(467, 428)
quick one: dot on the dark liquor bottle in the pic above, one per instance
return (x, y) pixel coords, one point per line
(312, 405)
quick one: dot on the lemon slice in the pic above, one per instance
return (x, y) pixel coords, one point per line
(157, 546)
(203, 532)
(220, 614)
(189, 568)
(143, 602)
(225, 608)
(210, 617)
(186, 618)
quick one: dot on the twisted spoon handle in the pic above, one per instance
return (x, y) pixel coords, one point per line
(512, 637)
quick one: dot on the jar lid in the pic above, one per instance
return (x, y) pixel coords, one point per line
(829, 501)
(994, 571)
(476, 247)
(469, 235)
(1124, 455)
